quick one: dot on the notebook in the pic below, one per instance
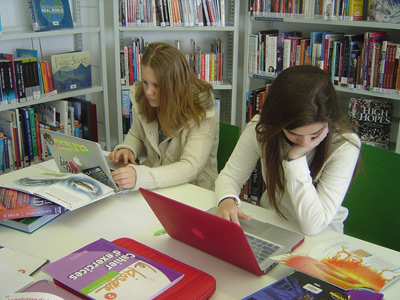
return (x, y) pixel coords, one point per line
(219, 237)
(76, 155)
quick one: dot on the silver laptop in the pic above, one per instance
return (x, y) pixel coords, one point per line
(248, 247)
(76, 155)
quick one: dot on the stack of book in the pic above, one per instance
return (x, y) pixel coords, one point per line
(26, 212)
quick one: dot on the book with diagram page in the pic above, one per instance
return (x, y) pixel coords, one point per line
(69, 190)
(104, 270)
(344, 264)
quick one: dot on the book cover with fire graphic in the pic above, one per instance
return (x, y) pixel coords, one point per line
(345, 265)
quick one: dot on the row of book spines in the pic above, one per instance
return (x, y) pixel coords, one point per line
(206, 66)
(26, 145)
(172, 13)
(326, 9)
(25, 79)
(255, 100)
(297, 50)
(254, 187)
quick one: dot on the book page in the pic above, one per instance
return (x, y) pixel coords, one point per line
(68, 190)
(20, 261)
(11, 280)
(32, 296)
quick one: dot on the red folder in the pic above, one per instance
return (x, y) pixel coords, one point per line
(195, 285)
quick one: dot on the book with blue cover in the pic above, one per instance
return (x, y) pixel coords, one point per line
(50, 14)
(299, 285)
(71, 71)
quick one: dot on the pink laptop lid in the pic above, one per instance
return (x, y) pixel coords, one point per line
(204, 231)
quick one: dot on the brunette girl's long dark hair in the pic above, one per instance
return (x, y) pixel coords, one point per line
(299, 96)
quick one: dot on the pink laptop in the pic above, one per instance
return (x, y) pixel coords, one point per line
(222, 238)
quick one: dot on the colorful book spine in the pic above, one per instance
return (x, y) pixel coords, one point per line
(33, 134)
(27, 135)
(1, 152)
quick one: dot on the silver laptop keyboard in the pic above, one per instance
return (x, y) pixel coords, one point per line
(261, 248)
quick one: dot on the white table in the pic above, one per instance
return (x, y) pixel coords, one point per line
(128, 215)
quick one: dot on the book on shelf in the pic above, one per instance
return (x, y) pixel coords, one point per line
(351, 42)
(345, 264)
(121, 273)
(316, 39)
(34, 69)
(71, 71)
(86, 113)
(17, 205)
(355, 10)
(50, 14)
(26, 135)
(71, 191)
(299, 285)
(7, 74)
(372, 118)
(10, 118)
(326, 51)
(1, 152)
(384, 11)
(30, 224)
(281, 37)
(7, 129)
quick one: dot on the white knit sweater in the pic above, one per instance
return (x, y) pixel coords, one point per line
(315, 205)
(190, 157)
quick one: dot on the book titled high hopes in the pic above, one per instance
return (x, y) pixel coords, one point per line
(103, 270)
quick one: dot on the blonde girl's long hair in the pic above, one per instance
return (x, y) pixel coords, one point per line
(178, 86)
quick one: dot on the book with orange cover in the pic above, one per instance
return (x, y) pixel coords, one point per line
(344, 264)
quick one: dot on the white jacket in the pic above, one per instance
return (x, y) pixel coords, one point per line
(190, 157)
(315, 205)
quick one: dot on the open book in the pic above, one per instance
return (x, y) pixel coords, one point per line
(104, 270)
(344, 264)
(71, 191)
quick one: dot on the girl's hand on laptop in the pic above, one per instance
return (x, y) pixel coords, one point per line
(124, 155)
(125, 177)
(228, 210)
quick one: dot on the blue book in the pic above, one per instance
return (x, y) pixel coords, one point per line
(1, 152)
(27, 135)
(71, 71)
(50, 14)
(299, 286)
(6, 154)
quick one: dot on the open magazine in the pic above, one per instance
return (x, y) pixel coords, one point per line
(71, 191)
(344, 264)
